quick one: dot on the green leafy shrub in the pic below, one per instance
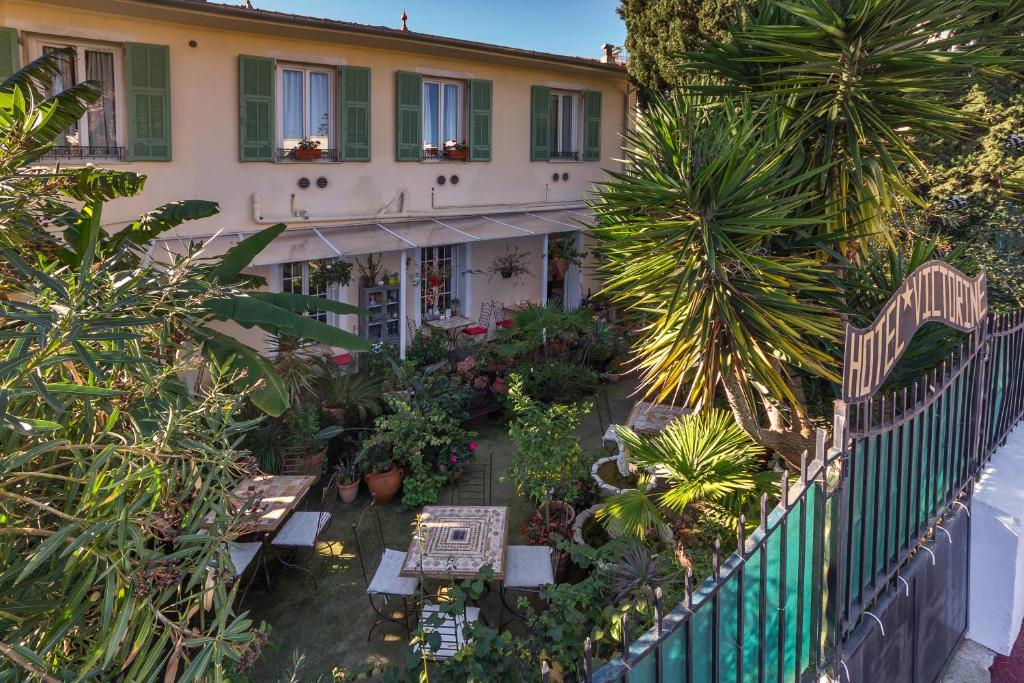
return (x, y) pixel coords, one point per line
(427, 349)
(555, 381)
(547, 450)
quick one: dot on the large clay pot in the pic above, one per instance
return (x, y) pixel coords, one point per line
(314, 464)
(384, 485)
(348, 492)
(499, 385)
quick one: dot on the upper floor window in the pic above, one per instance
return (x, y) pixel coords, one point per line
(563, 114)
(442, 117)
(98, 134)
(306, 112)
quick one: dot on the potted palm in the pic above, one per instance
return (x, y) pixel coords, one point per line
(348, 479)
(382, 476)
(306, 150)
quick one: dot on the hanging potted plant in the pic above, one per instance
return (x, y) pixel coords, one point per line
(382, 477)
(563, 253)
(323, 274)
(510, 265)
(456, 151)
(307, 150)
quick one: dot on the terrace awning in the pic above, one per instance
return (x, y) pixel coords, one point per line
(303, 243)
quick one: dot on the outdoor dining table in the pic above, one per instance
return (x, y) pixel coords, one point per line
(457, 541)
(277, 497)
(450, 326)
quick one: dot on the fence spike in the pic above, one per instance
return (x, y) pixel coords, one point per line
(741, 536)
(785, 489)
(588, 662)
(625, 638)
(657, 610)
(688, 589)
(716, 559)
(764, 512)
(803, 467)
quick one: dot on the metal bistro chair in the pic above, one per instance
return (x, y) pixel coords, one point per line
(243, 556)
(435, 618)
(483, 323)
(530, 569)
(303, 529)
(503, 319)
(384, 579)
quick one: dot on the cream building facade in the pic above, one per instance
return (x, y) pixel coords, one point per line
(210, 101)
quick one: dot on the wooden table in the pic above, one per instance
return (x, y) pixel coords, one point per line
(277, 497)
(457, 540)
(647, 417)
(450, 326)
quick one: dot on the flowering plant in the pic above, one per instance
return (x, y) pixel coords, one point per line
(536, 531)
(459, 457)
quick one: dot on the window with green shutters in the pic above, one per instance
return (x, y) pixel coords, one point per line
(256, 108)
(540, 132)
(148, 71)
(408, 116)
(9, 62)
(355, 113)
(480, 103)
(591, 125)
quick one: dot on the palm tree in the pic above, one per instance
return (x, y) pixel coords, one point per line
(702, 458)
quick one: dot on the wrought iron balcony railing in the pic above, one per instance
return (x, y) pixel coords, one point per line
(74, 152)
(289, 155)
(565, 156)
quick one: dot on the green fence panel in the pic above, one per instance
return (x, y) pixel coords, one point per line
(673, 656)
(644, 671)
(700, 626)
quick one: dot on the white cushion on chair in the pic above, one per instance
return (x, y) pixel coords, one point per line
(452, 630)
(242, 555)
(529, 566)
(302, 529)
(386, 580)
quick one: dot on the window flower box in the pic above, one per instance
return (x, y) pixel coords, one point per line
(306, 154)
(458, 154)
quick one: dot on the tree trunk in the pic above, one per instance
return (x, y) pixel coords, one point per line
(789, 441)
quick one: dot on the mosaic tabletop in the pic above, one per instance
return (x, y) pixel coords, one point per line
(454, 322)
(653, 417)
(276, 496)
(458, 540)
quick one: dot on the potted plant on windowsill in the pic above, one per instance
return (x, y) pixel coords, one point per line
(307, 150)
(456, 151)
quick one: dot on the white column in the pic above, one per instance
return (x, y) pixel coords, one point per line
(403, 284)
(467, 290)
(544, 272)
(417, 314)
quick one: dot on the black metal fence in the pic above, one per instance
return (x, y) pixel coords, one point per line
(780, 607)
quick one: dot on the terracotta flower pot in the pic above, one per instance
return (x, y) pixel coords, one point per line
(384, 485)
(499, 385)
(314, 464)
(306, 154)
(348, 492)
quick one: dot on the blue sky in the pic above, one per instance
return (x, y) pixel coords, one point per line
(569, 27)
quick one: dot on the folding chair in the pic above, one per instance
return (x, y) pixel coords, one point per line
(435, 618)
(303, 529)
(384, 579)
(483, 325)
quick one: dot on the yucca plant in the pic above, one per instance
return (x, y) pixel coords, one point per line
(702, 458)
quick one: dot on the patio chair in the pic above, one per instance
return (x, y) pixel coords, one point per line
(483, 323)
(303, 529)
(503, 318)
(382, 580)
(529, 569)
(243, 556)
(435, 618)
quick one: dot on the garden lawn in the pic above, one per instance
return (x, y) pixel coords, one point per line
(327, 626)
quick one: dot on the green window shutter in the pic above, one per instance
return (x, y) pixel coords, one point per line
(540, 121)
(256, 108)
(148, 70)
(9, 62)
(355, 113)
(408, 116)
(480, 120)
(591, 125)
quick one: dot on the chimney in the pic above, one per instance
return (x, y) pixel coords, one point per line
(611, 54)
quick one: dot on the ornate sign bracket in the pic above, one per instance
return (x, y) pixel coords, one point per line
(934, 292)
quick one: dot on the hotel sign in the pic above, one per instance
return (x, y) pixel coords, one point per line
(934, 292)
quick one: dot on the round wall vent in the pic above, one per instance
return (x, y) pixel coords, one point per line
(565, 176)
(454, 180)
(321, 182)
(554, 176)
(303, 183)
(440, 180)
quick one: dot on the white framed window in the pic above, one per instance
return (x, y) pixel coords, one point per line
(564, 112)
(306, 108)
(100, 133)
(443, 117)
(295, 279)
(448, 258)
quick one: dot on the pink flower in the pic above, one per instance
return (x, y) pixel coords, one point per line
(454, 458)
(472, 446)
